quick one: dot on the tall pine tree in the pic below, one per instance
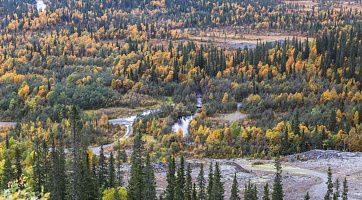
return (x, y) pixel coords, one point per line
(111, 172)
(188, 185)
(217, 187)
(180, 180)
(149, 180)
(136, 186)
(235, 190)
(266, 192)
(345, 190)
(329, 193)
(201, 183)
(171, 179)
(278, 193)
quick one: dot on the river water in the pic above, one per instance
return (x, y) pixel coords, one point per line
(40, 5)
(128, 123)
(183, 123)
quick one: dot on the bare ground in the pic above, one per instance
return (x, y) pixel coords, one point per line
(228, 118)
(299, 177)
(7, 124)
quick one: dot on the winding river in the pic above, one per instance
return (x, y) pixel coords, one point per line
(128, 123)
(183, 123)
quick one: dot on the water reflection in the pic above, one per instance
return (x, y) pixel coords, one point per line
(40, 5)
(183, 123)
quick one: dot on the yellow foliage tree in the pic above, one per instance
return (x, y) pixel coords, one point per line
(24, 90)
(356, 118)
(329, 95)
(225, 98)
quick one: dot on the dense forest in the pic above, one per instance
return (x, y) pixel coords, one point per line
(62, 67)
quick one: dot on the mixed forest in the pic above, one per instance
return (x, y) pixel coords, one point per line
(61, 67)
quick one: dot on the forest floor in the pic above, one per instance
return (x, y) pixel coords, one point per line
(299, 176)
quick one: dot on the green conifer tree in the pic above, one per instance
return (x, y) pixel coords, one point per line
(180, 180)
(345, 190)
(217, 186)
(235, 189)
(307, 197)
(119, 162)
(336, 194)
(149, 180)
(171, 179)
(188, 185)
(266, 192)
(201, 183)
(329, 193)
(278, 193)
(111, 172)
(194, 193)
(8, 171)
(18, 166)
(102, 173)
(136, 186)
(210, 183)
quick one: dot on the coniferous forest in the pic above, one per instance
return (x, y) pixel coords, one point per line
(180, 99)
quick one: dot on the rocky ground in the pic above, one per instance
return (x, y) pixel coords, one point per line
(301, 173)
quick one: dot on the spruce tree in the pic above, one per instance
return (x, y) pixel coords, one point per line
(119, 164)
(266, 192)
(7, 174)
(75, 129)
(307, 197)
(194, 193)
(18, 166)
(278, 193)
(102, 172)
(88, 183)
(201, 183)
(333, 121)
(37, 168)
(176, 70)
(171, 179)
(255, 193)
(149, 180)
(53, 173)
(345, 190)
(111, 172)
(188, 185)
(249, 191)
(58, 176)
(136, 186)
(180, 180)
(336, 194)
(329, 193)
(218, 186)
(235, 190)
(45, 167)
(210, 183)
